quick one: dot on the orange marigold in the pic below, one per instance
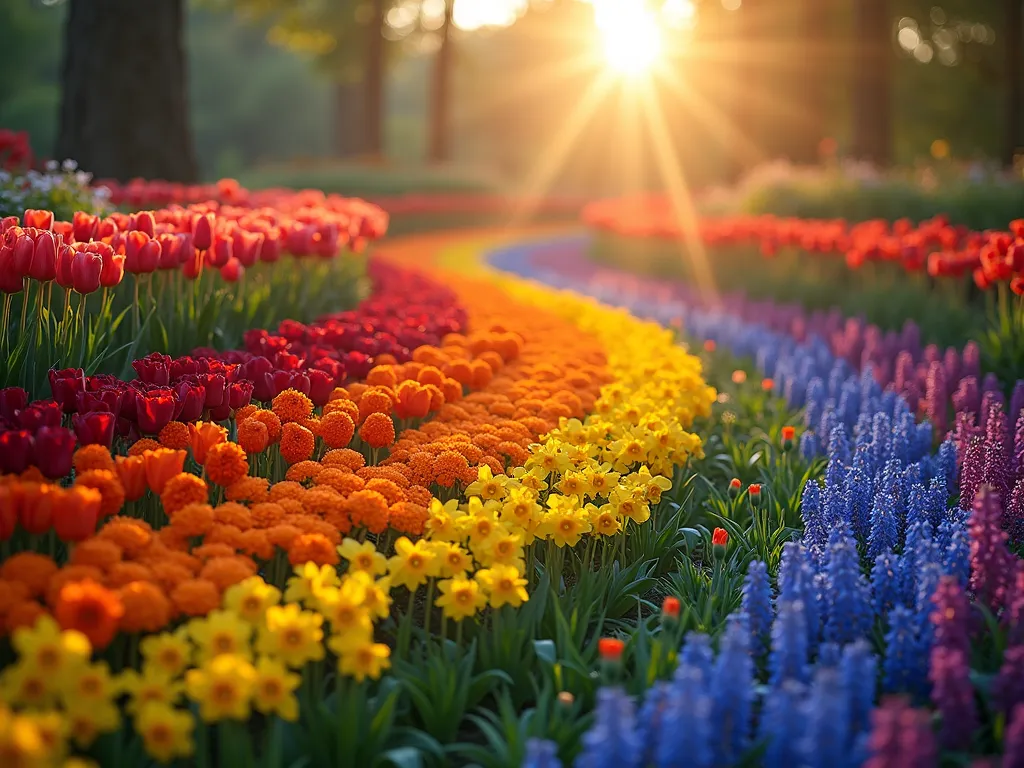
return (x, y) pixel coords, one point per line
(98, 553)
(297, 443)
(226, 464)
(389, 490)
(321, 500)
(378, 431)
(251, 489)
(343, 457)
(333, 477)
(192, 519)
(292, 506)
(392, 473)
(196, 597)
(292, 405)
(216, 549)
(369, 509)
(338, 393)
(232, 513)
(270, 420)
(409, 518)
(92, 457)
(242, 414)
(253, 436)
(130, 534)
(93, 610)
(342, 406)
(267, 514)
(139, 447)
(170, 574)
(254, 542)
(67, 575)
(108, 484)
(312, 548)
(288, 489)
(220, 533)
(375, 400)
(382, 376)
(174, 435)
(282, 535)
(31, 569)
(23, 614)
(430, 375)
(182, 490)
(355, 390)
(146, 607)
(417, 494)
(126, 573)
(11, 593)
(448, 468)
(337, 429)
(302, 471)
(225, 571)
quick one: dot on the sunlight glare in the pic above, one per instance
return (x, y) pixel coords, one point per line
(629, 34)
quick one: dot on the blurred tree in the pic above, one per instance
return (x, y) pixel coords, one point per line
(1014, 32)
(872, 110)
(440, 129)
(124, 111)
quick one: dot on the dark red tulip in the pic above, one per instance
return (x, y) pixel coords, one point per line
(54, 449)
(12, 399)
(184, 366)
(155, 409)
(11, 281)
(38, 414)
(154, 369)
(220, 413)
(16, 451)
(94, 428)
(321, 385)
(38, 219)
(9, 510)
(240, 394)
(85, 271)
(44, 258)
(65, 386)
(191, 401)
(65, 258)
(106, 399)
(214, 384)
(84, 226)
(202, 231)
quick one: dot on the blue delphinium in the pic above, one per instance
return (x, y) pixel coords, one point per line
(849, 611)
(813, 514)
(826, 731)
(899, 670)
(782, 723)
(884, 592)
(884, 534)
(685, 738)
(650, 718)
(809, 447)
(612, 741)
(796, 583)
(956, 557)
(732, 693)
(946, 461)
(882, 439)
(696, 652)
(788, 660)
(757, 606)
(541, 753)
(861, 491)
(859, 670)
(815, 402)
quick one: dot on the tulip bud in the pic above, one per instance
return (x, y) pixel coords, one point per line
(611, 649)
(754, 492)
(38, 219)
(84, 226)
(734, 487)
(10, 280)
(85, 271)
(65, 261)
(202, 231)
(788, 436)
(44, 258)
(670, 608)
(23, 250)
(12, 399)
(719, 542)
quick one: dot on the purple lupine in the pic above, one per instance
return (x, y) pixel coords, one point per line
(971, 472)
(953, 696)
(1008, 685)
(951, 616)
(1016, 402)
(901, 737)
(998, 450)
(936, 397)
(990, 558)
(967, 398)
(1014, 517)
(1013, 741)
(971, 359)
(1014, 614)
(1018, 446)
(951, 364)
(991, 393)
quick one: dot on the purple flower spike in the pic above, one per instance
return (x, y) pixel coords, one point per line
(901, 737)
(990, 558)
(954, 697)
(951, 616)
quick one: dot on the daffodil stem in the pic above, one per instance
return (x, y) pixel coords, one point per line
(458, 632)
(406, 629)
(426, 609)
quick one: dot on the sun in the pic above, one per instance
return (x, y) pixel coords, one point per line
(630, 35)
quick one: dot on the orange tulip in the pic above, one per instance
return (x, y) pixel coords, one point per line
(132, 471)
(204, 436)
(161, 465)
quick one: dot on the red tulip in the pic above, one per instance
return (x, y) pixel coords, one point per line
(154, 368)
(8, 222)
(23, 249)
(112, 271)
(192, 267)
(215, 386)
(246, 246)
(141, 253)
(84, 226)
(65, 386)
(220, 253)
(16, 451)
(144, 221)
(240, 394)
(321, 384)
(11, 281)
(54, 449)
(10, 504)
(86, 270)
(270, 251)
(65, 258)
(155, 409)
(94, 428)
(232, 271)
(191, 401)
(44, 258)
(38, 219)
(39, 414)
(202, 231)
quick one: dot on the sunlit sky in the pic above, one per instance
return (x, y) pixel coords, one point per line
(473, 14)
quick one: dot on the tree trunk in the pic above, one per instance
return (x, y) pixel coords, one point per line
(124, 108)
(1014, 32)
(373, 105)
(348, 129)
(440, 102)
(872, 111)
(818, 64)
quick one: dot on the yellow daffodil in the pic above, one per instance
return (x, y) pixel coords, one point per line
(166, 732)
(249, 599)
(88, 721)
(440, 525)
(460, 598)
(91, 684)
(364, 660)
(412, 564)
(344, 607)
(170, 652)
(292, 635)
(222, 688)
(273, 691)
(453, 559)
(27, 686)
(565, 521)
(21, 740)
(504, 586)
(309, 578)
(503, 549)
(152, 685)
(487, 486)
(218, 633)
(50, 649)
(363, 557)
